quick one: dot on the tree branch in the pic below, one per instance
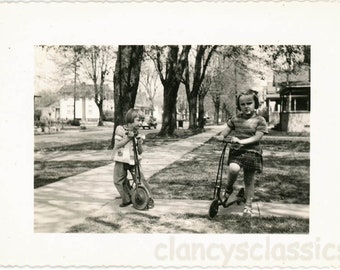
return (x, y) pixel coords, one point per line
(207, 62)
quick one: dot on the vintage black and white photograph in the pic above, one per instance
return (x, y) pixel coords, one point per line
(172, 139)
(159, 135)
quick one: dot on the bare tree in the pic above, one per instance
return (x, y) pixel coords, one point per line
(216, 91)
(97, 62)
(204, 89)
(126, 80)
(170, 63)
(73, 56)
(202, 58)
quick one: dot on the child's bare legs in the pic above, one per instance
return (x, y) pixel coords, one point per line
(233, 172)
(249, 176)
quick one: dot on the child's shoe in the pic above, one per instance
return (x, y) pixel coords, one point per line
(228, 191)
(225, 199)
(125, 204)
(151, 204)
(247, 211)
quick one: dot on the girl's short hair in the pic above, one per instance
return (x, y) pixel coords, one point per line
(131, 115)
(249, 92)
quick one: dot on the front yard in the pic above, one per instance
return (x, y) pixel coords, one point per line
(285, 180)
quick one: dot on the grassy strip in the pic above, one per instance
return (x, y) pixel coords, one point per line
(151, 140)
(93, 145)
(47, 172)
(140, 222)
(193, 177)
(286, 145)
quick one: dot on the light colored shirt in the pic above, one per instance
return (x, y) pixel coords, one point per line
(124, 154)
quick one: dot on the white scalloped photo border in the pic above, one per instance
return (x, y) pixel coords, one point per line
(24, 25)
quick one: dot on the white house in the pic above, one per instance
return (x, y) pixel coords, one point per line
(50, 112)
(85, 106)
(288, 101)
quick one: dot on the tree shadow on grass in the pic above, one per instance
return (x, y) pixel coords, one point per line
(47, 172)
(283, 180)
(97, 220)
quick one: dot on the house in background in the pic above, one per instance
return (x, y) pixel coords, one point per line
(85, 106)
(144, 104)
(50, 112)
(288, 101)
(295, 110)
(273, 103)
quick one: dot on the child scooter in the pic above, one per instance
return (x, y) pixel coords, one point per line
(218, 198)
(140, 196)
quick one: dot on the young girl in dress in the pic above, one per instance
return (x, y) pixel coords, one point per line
(123, 155)
(245, 150)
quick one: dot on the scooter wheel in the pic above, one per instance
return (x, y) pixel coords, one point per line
(140, 198)
(213, 209)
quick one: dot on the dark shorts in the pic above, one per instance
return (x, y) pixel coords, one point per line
(246, 160)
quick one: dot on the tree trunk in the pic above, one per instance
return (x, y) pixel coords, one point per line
(224, 113)
(98, 99)
(192, 111)
(217, 112)
(101, 97)
(171, 81)
(126, 80)
(201, 121)
(169, 111)
(101, 114)
(199, 73)
(192, 95)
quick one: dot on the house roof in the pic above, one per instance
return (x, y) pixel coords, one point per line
(55, 104)
(299, 87)
(82, 89)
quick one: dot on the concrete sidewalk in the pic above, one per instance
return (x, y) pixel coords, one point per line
(66, 203)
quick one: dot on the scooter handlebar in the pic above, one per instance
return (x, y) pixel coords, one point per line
(227, 140)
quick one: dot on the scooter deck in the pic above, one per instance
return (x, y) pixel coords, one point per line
(214, 206)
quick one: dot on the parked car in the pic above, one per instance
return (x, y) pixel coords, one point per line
(151, 123)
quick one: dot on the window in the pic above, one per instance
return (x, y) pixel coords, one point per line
(300, 104)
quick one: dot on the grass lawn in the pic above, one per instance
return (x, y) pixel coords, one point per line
(47, 172)
(284, 179)
(140, 222)
(151, 140)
